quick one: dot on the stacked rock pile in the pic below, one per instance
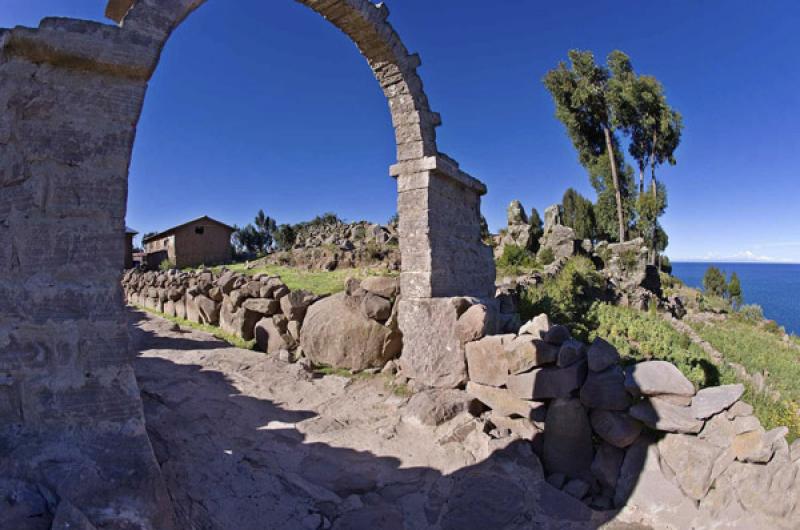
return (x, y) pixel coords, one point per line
(600, 428)
(356, 329)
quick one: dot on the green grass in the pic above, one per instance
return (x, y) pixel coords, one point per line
(233, 340)
(758, 350)
(642, 336)
(318, 282)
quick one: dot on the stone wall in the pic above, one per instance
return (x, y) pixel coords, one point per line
(354, 330)
(639, 438)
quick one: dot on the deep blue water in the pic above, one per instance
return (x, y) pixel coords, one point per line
(775, 287)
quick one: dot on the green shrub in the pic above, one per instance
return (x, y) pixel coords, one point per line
(770, 326)
(546, 256)
(166, 265)
(751, 312)
(642, 336)
(516, 260)
(567, 297)
(666, 265)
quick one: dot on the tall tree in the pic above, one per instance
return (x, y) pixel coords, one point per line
(714, 282)
(578, 213)
(735, 291)
(266, 226)
(536, 230)
(641, 111)
(581, 94)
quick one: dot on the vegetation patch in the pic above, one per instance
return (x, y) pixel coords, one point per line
(317, 282)
(516, 261)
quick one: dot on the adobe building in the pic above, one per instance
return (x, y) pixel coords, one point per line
(129, 234)
(203, 241)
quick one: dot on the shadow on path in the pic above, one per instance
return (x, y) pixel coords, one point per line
(240, 462)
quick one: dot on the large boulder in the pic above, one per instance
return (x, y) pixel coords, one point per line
(384, 286)
(561, 240)
(336, 333)
(653, 378)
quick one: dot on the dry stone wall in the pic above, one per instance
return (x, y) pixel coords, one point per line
(354, 330)
(71, 94)
(638, 439)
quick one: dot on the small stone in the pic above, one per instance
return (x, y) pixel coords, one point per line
(651, 378)
(713, 400)
(606, 390)
(557, 335)
(537, 327)
(383, 286)
(740, 408)
(390, 368)
(744, 424)
(295, 304)
(576, 488)
(473, 324)
(570, 352)
(526, 352)
(601, 355)
(547, 383)
(664, 416)
(616, 428)
(607, 463)
(376, 307)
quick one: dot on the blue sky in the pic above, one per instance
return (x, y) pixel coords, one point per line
(265, 105)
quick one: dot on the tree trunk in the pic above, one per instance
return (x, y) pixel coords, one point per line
(615, 177)
(641, 179)
(653, 166)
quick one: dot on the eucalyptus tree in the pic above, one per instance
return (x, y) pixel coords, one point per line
(578, 213)
(581, 95)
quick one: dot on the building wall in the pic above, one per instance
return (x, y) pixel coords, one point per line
(161, 245)
(201, 243)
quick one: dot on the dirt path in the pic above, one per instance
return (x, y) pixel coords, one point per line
(247, 442)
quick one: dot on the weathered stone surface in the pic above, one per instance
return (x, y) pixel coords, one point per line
(691, 460)
(740, 408)
(561, 240)
(474, 323)
(336, 333)
(757, 446)
(651, 378)
(538, 326)
(601, 355)
(487, 363)
(605, 390)
(607, 464)
(642, 487)
(557, 335)
(208, 309)
(570, 352)
(270, 338)
(567, 439)
(239, 322)
(436, 357)
(526, 352)
(616, 428)
(382, 286)
(503, 402)
(68, 517)
(664, 416)
(713, 400)
(521, 427)
(295, 304)
(376, 307)
(436, 406)
(576, 488)
(547, 383)
(263, 306)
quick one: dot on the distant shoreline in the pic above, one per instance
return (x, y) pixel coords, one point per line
(737, 262)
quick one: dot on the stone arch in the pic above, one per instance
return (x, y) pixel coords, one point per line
(71, 93)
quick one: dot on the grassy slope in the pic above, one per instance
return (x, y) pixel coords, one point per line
(641, 336)
(318, 282)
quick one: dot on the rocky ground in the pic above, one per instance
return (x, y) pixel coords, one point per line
(246, 441)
